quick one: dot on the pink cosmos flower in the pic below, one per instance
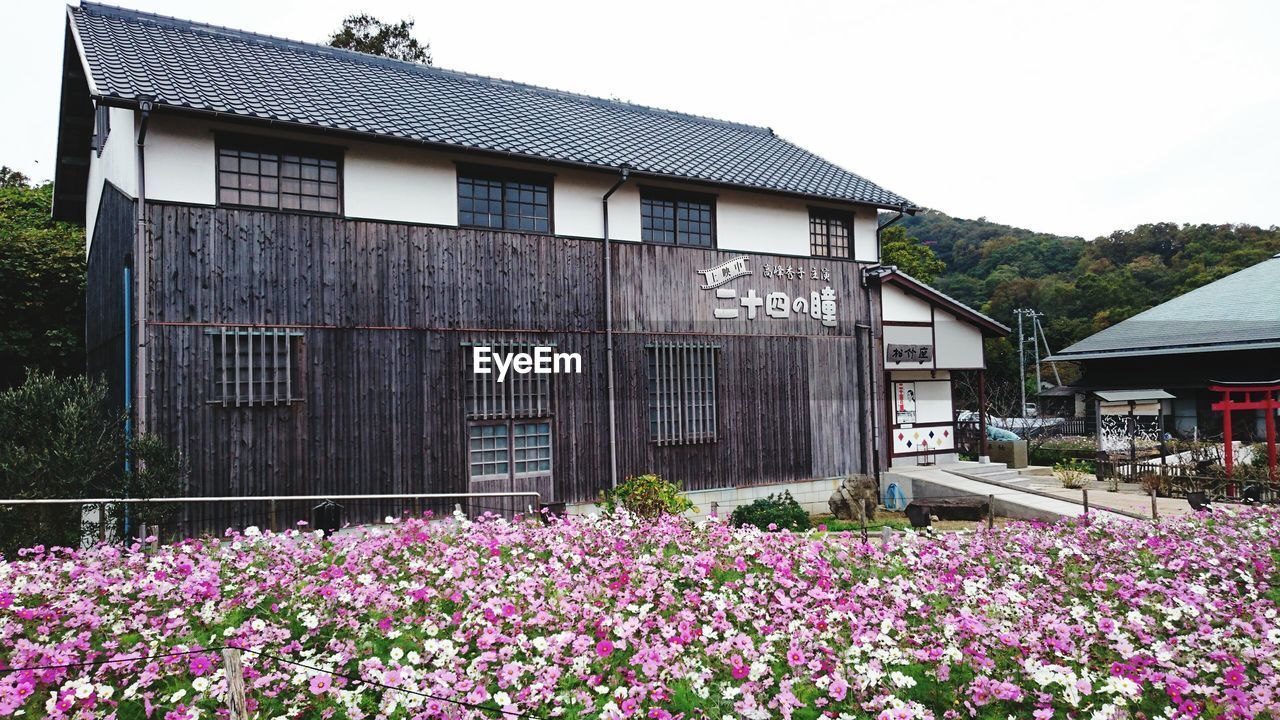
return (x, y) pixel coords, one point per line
(604, 648)
(320, 684)
(795, 658)
(1234, 677)
(839, 688)
(199, 665)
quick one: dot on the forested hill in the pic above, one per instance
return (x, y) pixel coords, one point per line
(1080, 286)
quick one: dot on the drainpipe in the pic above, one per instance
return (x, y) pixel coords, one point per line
(608, 331)
(145, 105)
(871, 348)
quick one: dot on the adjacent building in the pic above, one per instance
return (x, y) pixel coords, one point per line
(294, 252)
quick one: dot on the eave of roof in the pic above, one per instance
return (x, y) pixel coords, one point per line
(896, 277)
(1065, 356)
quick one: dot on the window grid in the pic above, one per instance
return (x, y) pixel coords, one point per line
(517, 396)
(253, 366)
(489, 451)
(677, 221)
(682, 393)
(288, 181)
(829, 235)
(504, 203)
(532, 448)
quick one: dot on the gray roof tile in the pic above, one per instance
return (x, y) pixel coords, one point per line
(189, 65)
(1239, 311)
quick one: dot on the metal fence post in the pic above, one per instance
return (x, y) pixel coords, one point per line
(1155, 513)
(991, 511)
(1084, 493)
(271, 515)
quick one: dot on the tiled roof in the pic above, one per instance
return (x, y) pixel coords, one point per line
(189, 65)
(1238, 312)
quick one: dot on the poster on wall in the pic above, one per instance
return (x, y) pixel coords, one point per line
(904, 402)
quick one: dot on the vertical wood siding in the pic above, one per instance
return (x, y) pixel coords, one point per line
(386, 309)
(109, 247)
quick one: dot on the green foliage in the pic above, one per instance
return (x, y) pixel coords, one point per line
(59, 438)
(1082, 287)
(780, 510)
(911, 257)
(42, 275)
(1072, 473)
(367, 34)
(648, 496)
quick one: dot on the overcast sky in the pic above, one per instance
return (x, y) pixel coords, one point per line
(1068, 117)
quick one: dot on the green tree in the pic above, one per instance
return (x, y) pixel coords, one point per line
(42, 277)
(909, 254)
(367, 34)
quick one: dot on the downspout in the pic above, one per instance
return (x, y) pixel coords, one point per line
(140, 278)
(871, 347)
(608, 331)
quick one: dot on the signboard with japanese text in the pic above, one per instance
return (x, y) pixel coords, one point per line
(746, 302)
(897, 353)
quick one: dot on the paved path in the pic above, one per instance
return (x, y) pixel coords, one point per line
(966, 479)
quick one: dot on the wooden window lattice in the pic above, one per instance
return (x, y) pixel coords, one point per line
(682, 393)
(829, 234)
(253, 366)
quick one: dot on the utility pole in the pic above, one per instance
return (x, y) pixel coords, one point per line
(1022, 365)
(1048, 353)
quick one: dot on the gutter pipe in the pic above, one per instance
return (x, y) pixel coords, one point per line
(873, 394)
(608, 330)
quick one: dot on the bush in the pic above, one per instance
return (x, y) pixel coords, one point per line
(781, 511)
(59, 438)
(1071, 473)
(647, 496)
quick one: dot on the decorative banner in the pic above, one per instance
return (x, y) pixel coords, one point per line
(908, 353)
(725, 271)
(904, 402)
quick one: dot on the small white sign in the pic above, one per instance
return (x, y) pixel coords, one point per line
(904, 402)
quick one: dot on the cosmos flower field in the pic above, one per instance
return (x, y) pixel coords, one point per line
(613, 618)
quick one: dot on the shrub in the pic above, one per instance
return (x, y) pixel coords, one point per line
(647, 496)
(1071, 473)
(59, 438)
(781, 511)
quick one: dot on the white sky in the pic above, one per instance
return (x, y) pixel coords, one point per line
(1068, 117)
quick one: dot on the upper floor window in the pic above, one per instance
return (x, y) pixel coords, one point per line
(504, 200)
(829, 233)
(279, 177)
(677, 218)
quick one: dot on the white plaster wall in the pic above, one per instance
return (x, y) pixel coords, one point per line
(180, 161)
(419, 185)
(959, 344)
(898, 306)
(384, 182)
(118, 165)
(866, 248)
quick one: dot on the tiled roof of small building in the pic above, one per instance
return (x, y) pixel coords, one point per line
(183, 64)
(1238, 312)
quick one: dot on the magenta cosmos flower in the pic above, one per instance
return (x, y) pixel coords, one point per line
(604, 648)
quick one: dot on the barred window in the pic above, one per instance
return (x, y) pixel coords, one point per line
(682, 393)
(829, 233)
(504, 200)
(517, 396)
(677, 219)
(252, 175)
(254, 366)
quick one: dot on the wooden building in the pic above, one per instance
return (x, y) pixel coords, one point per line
(295, 250)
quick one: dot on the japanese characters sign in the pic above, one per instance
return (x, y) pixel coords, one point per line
(733, 303)
(908, 353)
(904, 402)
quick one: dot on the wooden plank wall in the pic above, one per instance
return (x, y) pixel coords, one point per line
(386, 309)
(111, 244)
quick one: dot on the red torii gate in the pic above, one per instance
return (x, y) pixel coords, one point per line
(1267, 401)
